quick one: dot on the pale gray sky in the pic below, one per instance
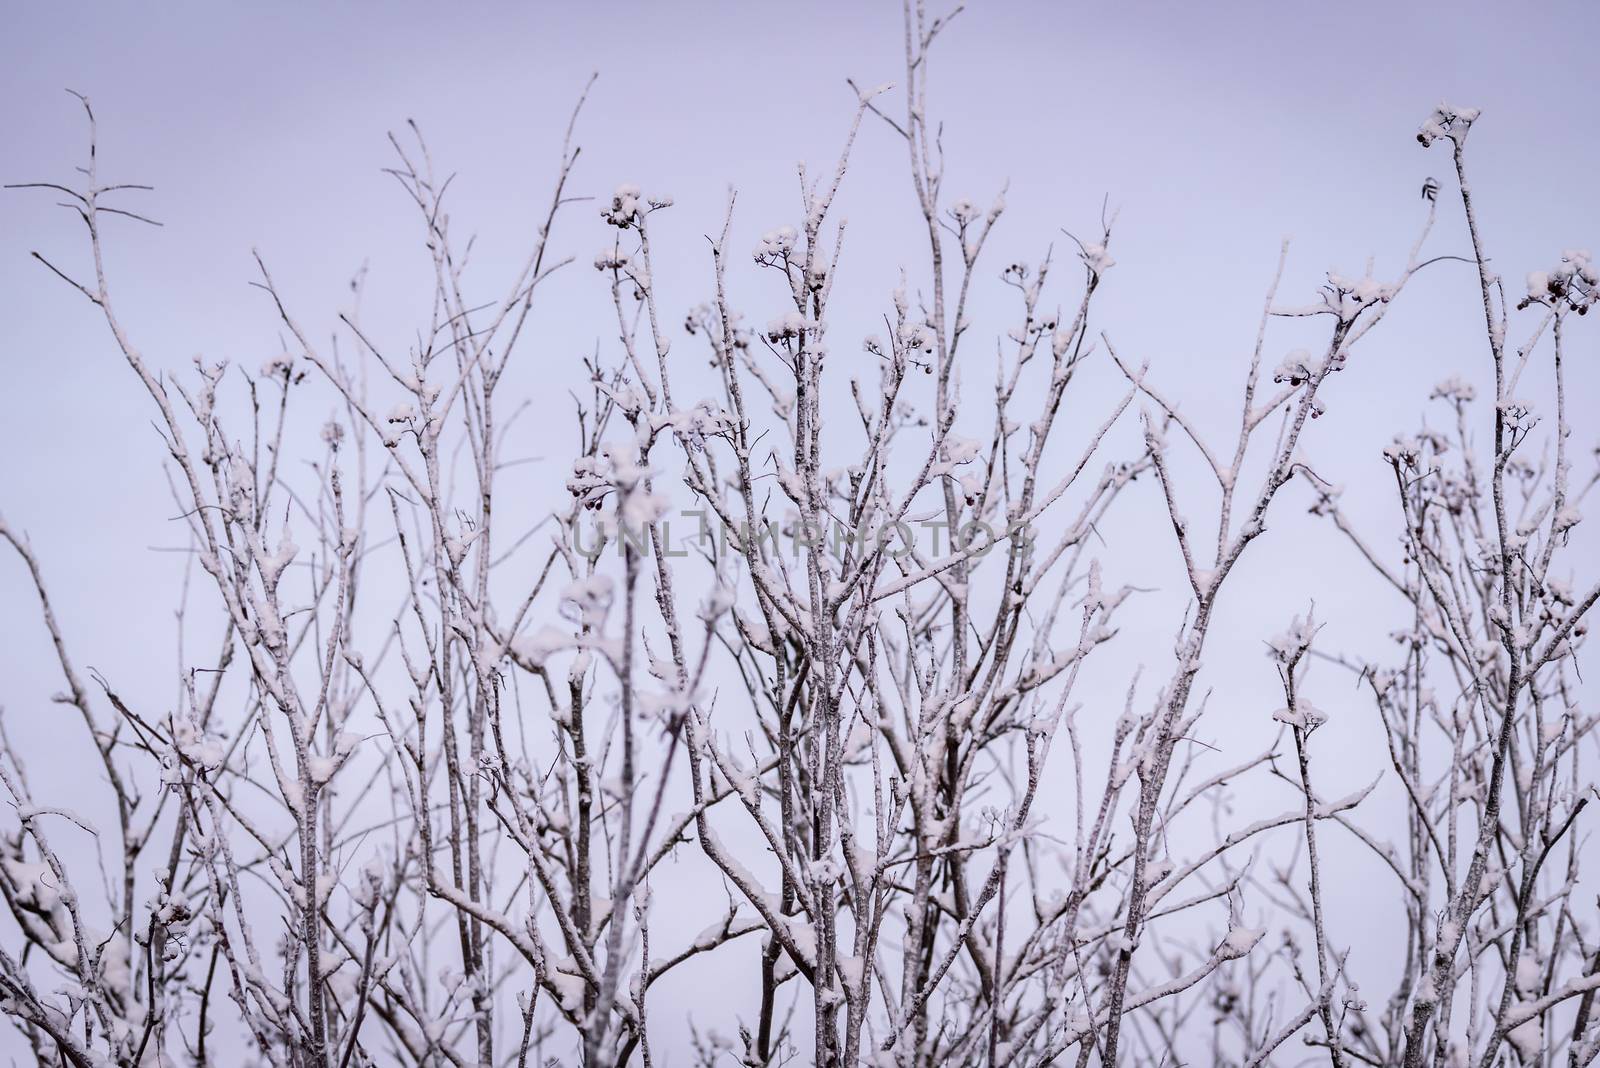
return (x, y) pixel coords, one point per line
(1215, 130)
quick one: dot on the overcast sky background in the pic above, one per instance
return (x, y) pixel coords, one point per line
(1215, 130)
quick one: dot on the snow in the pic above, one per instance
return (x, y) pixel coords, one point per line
(36, 885)
(320, 768)
(744, 781)
(1097, 259)
(1304, 715)
(1529, 973)
(1118, 942)
(959, 450)
(591, 597)
(279, 366)
(623, 206)
(785, 327)
(1348, 801)
(569, 990)
(804, 937)
(1528, 1039)
(207, 751)
(534, 649)
(272, 565)
(1239, 941)
(776, 244)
